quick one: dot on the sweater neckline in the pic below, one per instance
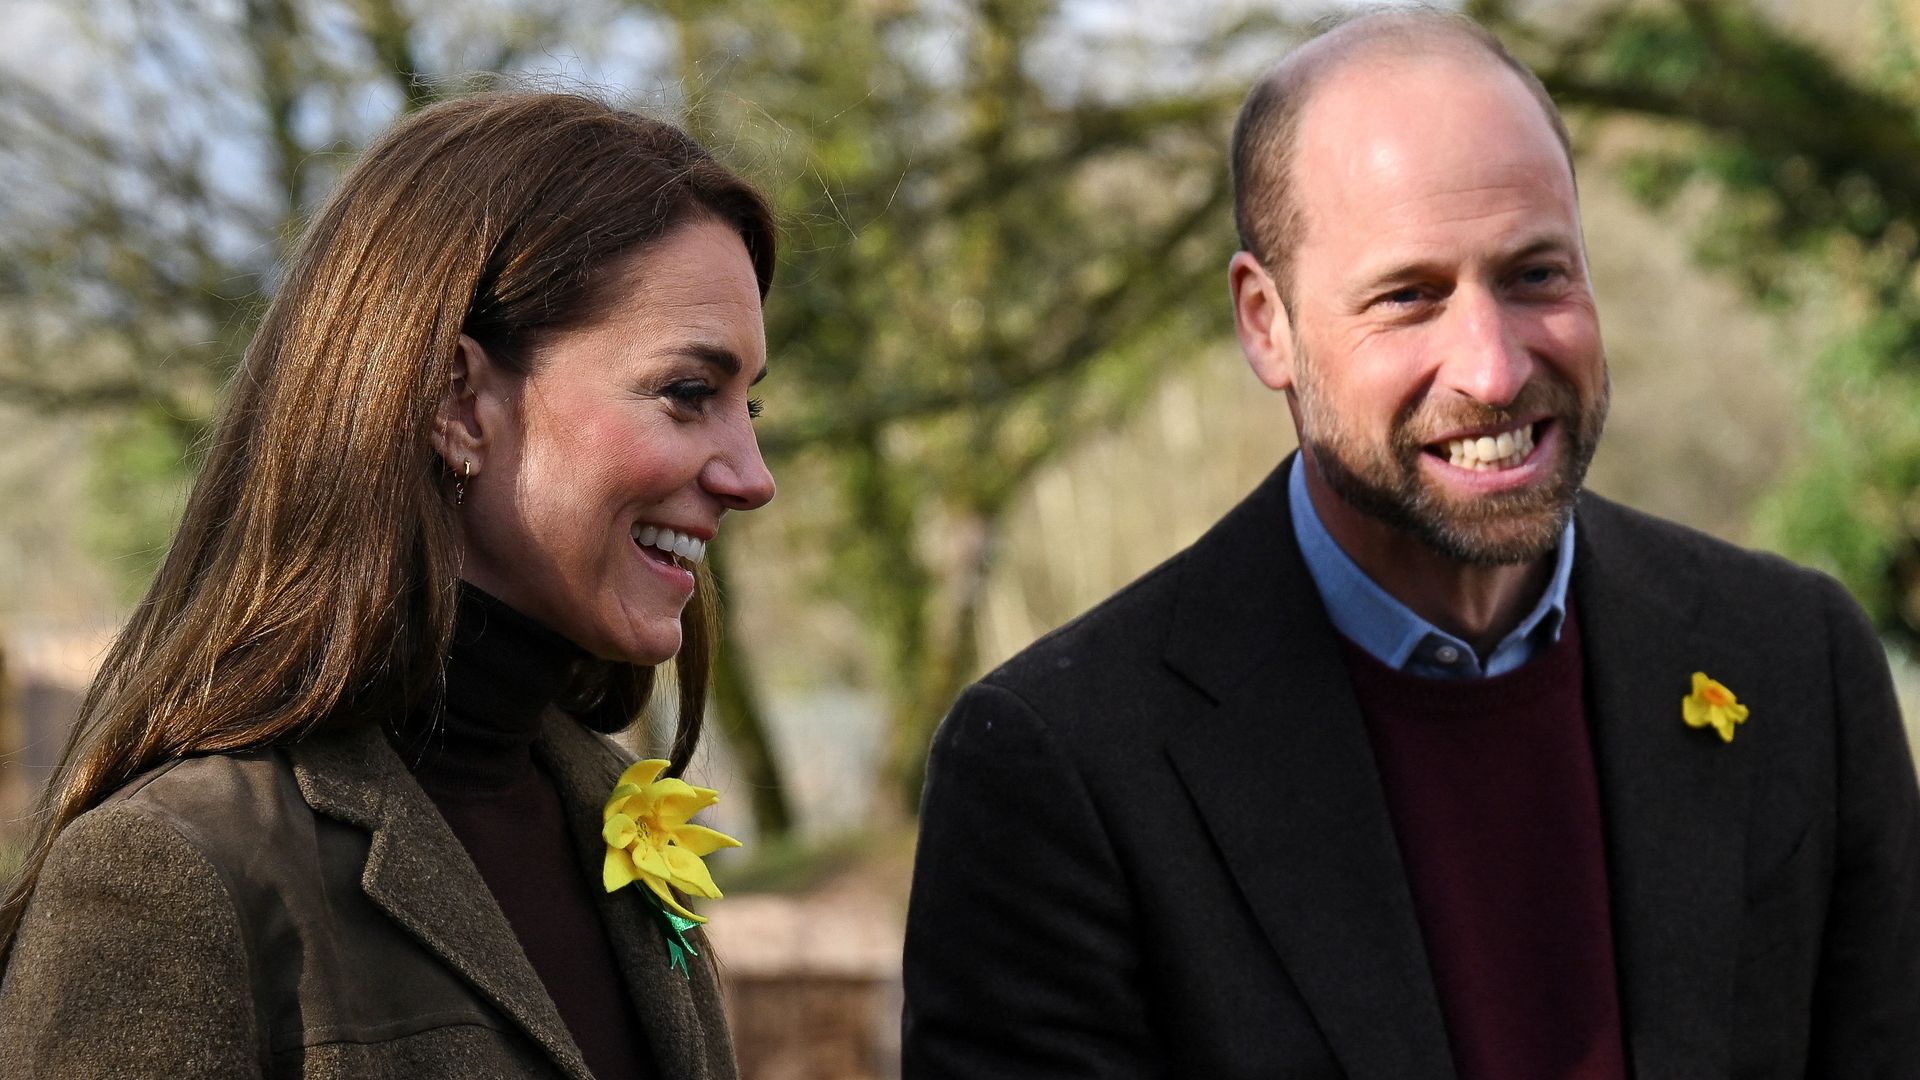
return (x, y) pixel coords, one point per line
(504, 670)
(1551, 671)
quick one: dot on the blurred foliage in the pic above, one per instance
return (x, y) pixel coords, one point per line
(1002, 231)
(1799, 174)
(983, 266)
(990, 252)
(151, 213)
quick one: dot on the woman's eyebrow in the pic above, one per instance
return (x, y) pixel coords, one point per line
(723, 358)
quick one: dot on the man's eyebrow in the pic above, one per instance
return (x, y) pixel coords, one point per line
(1541, 245)
(1424, 269)
(719, 356)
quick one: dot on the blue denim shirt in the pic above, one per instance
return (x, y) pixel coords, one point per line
(1389, 630)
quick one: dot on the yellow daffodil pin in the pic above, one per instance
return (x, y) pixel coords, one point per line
(650, 839)
(1712, 705)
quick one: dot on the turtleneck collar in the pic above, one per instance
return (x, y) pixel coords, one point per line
(503, 671)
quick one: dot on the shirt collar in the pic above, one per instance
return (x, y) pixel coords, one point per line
(1389, 630)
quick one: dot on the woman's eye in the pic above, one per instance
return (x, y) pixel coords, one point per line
(753, 408)
(691, 394)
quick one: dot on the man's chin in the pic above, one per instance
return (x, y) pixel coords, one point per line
(1505, 529)
(1496, 532)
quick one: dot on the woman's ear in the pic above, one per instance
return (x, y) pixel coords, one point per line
(464, 423)
(1261, 321)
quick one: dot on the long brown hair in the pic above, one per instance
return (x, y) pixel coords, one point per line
(313, 577)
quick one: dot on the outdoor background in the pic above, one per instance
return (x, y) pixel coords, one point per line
(1004, 381)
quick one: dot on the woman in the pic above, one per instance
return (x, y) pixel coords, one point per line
(334, 806)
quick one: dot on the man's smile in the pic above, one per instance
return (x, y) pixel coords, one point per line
(1490, 452)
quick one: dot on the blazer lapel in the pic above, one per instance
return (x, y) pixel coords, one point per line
(671, 1007)
(1283, 774)
(420, 875)
(1674, 799)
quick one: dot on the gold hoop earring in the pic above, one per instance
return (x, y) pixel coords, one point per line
(460, 482)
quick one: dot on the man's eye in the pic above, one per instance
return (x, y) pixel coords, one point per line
(1402, 297)
(1539, 275)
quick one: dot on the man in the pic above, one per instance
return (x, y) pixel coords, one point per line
(1404, 769)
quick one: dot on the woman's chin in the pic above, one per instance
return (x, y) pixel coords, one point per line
(643, 646)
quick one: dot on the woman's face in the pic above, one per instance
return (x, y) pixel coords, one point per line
(627, 427)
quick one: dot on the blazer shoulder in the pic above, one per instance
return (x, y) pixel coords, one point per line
(130, 920)
(1121, 635)
(228, 805)
(1637, 544)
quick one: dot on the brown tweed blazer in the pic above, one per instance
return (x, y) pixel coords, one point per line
(305, 912)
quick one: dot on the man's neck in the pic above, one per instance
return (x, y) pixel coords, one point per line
(1478, 604)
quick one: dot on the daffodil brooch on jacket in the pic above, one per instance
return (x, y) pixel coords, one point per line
(651, 840)
(1712, 705)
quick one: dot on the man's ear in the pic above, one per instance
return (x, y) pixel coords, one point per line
(1261, 321)
(468, 415)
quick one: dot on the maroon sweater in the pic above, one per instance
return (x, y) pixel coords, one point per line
(480, 771)
(1491, 787)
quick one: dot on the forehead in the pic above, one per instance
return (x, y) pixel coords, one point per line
(1449, 149)
(697, 280)
(688, 295)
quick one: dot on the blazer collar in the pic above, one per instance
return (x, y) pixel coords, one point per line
(1284, 777)
(1283, 774)
(1673, 799)
(674, 1010)
(420, 875)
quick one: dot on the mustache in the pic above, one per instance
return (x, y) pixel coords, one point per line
(1426, 421)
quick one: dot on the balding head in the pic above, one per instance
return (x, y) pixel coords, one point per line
(1266, 207)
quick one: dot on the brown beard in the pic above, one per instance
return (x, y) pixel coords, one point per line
(1386, 483)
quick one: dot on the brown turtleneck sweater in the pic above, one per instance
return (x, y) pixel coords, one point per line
(479, 769)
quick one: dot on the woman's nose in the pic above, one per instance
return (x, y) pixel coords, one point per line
(739, 477)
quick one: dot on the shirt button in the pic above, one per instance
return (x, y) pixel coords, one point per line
(1447, 654)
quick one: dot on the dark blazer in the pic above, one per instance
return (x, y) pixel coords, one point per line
(1155, 842)
(306, 912)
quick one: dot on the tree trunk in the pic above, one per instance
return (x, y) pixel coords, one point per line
(736, 704)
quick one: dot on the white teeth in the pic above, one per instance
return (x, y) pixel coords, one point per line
(1489, 453)
(673, 543)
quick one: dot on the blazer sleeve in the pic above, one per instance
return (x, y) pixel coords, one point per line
(129, 963)
(1867, 990)
(1022, 957)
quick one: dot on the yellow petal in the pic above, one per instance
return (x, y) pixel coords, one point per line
(1694, 712)
(666, 897)
(674, 801)
(650, 862)
(620, 795)
(617, 871)
(690, 874)
(619, 831)
(642, 773)
(701, 840)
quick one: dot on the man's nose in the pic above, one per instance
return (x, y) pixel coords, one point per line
(1485, 359)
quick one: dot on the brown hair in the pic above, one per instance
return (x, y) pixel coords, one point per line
(1265, 210)
(313, 577)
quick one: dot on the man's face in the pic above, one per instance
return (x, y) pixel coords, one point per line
(1446, 359)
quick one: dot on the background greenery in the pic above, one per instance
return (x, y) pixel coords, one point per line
(1004, 376)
